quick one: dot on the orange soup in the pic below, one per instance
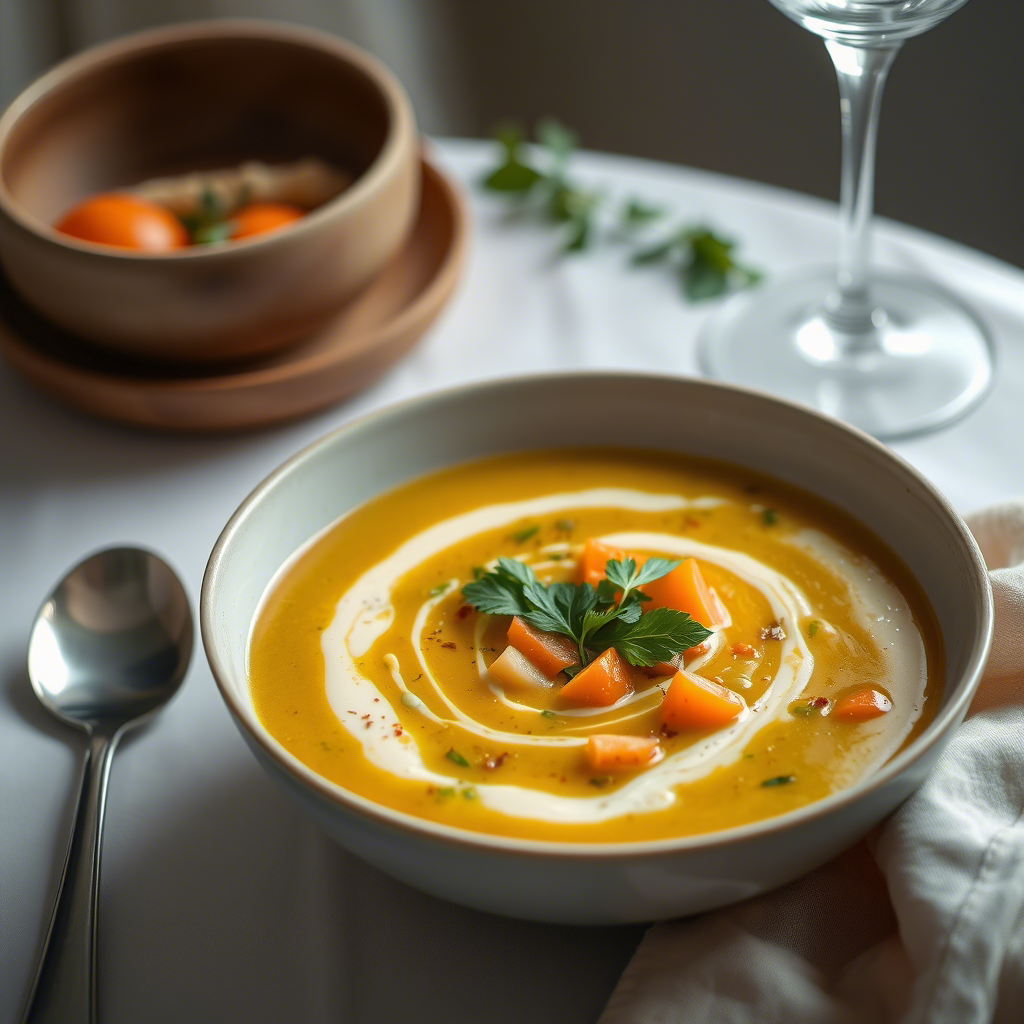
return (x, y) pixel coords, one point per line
(596, 646)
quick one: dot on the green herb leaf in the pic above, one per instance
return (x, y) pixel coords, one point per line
(637, 212)
(654, 568)
(803, 709)
(456, 758)
(769, 517)
(513, 176)
(701, 281)
(657, 253)
(499, 592)
(779, 780)
(469, 793)
(656, 636)
(566, 525)
(579, 235)
(703, 259)
(209, 234)
(590, 617)
(548, 714)
(525, 534)
(812, 629)
(556, 138)
(439, 589)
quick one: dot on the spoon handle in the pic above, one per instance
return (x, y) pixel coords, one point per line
(64, 991)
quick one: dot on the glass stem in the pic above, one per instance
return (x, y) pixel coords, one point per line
(861, 71)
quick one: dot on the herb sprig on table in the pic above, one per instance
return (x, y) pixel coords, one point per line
(594, 618)
(537, 179)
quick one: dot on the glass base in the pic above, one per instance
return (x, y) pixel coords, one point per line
(926, 361)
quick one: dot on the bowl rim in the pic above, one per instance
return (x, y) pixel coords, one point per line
(401, 124)
(422, 828)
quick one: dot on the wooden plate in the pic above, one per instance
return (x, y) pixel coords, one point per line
(370, 334)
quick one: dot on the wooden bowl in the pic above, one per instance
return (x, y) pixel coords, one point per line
(192, 97)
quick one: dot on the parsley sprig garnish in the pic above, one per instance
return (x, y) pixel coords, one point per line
(594, 618)
(537, 179)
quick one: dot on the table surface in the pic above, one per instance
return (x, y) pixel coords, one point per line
(220, 901)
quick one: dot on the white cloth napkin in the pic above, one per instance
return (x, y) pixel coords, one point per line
(923, 922)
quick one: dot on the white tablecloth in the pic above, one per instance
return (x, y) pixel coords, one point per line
(220, 901)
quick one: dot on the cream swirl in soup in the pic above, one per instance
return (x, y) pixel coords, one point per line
(368, 661)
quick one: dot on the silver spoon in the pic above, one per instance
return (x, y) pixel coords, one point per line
(110, 646)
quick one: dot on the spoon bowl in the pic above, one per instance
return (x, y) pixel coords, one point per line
(112, 642)
(110, 646)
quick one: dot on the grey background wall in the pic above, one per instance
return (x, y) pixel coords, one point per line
(733, 87)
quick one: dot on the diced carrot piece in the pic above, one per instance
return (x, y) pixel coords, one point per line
(685, 590)
(593, 560)
(547, 651)
(693, 653)
(862, 705)
(664, 668)
(744, 650)
(603, 682)
(693, 702)
(515, 671)
(607, 752)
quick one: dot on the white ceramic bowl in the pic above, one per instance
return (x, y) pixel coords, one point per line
(613, 882)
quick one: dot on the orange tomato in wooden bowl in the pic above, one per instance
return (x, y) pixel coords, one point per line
(126, 222)
(257, 218)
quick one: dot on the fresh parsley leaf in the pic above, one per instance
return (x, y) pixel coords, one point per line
(590, 616)
(525, 534)
(583, 600)
(769, 517)
(456, 758)
(512, 176)
(516, 570)
(548, 714)
(656, 636)
(539, 180)
(209, 234)
(620, 573)
(637, 212)
(439, 589)
(556, 138)
(546, 613)
(703, 281)
(631, 609)
(657, 253)
(779, 780)
(628, 577)
(578, 238)
(812, 629)
(499, 592)
(654, 568)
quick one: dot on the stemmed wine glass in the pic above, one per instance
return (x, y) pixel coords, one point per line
(893, 354)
